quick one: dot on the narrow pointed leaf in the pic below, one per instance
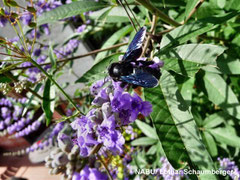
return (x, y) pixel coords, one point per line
(68, 10)
(189, 58)
(143, 141)
(221, 94)
(48, 101)
(99, 70)
(210, 143)
(147, 130)
(193, 29)
(223, 135)
(179, 117)
(113, 40)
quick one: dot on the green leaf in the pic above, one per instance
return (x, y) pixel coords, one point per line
(143, 141)
(221, 3)
(175, 126)
(48, 101)
(228, 65)
(152, 150)
(68, 10)
(38, 86)
(110, 15)
(189, 7)
(221, 94)
(211, 144)
(147, 130)
(187, 90)
(223, 135)
(215, 119)
(98, 71)
(233, 4)
(225, 65)
(112, 40)
(193, 29)
(4, 79)
(166, 129)
(9, 67)
(52, 57)
(187, 59)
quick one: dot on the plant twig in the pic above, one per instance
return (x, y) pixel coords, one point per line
(193, 11)
(105, 166)
(78, 57)
(10, 76)
(67, 118)
(55, 83)
(11, 55)
(158, 13)
(153, 27)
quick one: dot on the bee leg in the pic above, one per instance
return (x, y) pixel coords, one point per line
(134, 86)
(123, 84)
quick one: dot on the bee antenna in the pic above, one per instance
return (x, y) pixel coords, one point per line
(132, 14)
(120, 2)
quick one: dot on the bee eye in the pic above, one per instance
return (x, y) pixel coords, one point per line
(116, 70)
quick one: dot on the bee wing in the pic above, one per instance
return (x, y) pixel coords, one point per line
(141, 78)
(135, 48)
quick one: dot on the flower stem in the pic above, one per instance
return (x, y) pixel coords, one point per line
(55, 83)
(158, 13)
(105, 166)
(78, 57)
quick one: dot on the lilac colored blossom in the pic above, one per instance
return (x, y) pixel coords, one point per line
(45, 29)
(28, 129)
(227, 164)
(15, 39)
(3, 21)
(11, 119)
(81, 28)
(89, 173)
(97, 86)
(57, 129)
(167, 170)
(114, 108)
(68, 49)
(26, 18)
(50, 138)
(37, 52)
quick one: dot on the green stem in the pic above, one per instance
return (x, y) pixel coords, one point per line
(68, 118)
(21, 30)
(55, 83)
(24, 46)
(158, 13)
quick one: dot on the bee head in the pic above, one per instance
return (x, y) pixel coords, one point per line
(114, 70)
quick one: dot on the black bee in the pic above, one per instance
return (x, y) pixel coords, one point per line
(132, 71)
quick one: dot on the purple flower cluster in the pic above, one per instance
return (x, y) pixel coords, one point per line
(11, 113)
(21, 123)
(114, 108)
(166, 171)
(30, 128)
(227, 164)
(68, 49)
(11, 118)
(3, 21)
(49, 139)
(89, 173)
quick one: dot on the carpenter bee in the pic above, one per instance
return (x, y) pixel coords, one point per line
(132, 71)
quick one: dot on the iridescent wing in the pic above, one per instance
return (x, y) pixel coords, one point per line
(135, 48)
(141, 78)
